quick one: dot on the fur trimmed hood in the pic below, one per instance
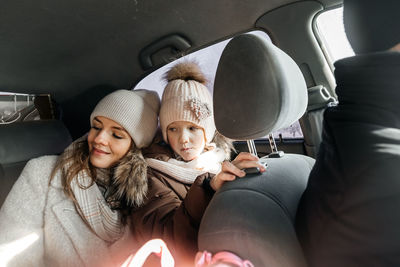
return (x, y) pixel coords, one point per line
(129, 182)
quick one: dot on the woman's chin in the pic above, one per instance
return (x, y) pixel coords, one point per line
(100, 163)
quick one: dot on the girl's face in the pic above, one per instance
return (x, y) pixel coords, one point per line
(108, 142)
(186, 139)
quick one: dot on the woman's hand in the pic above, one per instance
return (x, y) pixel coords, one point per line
(233, 169)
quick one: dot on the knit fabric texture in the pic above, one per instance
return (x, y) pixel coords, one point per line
(135, 110)
(187, 100)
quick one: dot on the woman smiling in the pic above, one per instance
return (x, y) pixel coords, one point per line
(77, 203)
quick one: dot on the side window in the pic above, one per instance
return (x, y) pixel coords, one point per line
(208, 59)
(25, 107)
(330, 30)
(16, 107)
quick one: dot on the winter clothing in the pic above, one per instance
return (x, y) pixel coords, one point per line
(135, 110)
(186, 98)
(348, 215)
(128, 188)
(129, 185)
(81, 224)
(371, 26)
(104, 221)
(174, 209)
(187, 172)
(64, 239)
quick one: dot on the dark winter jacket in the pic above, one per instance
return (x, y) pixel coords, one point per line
(349, 214)
(172, 212)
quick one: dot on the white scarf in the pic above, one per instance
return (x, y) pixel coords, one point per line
(106, 223)
(187, 172)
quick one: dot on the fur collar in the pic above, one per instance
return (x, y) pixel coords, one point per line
(129, 183)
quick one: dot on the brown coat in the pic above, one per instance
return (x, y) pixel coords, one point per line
(172, 212)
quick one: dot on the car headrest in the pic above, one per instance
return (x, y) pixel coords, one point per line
(258, 89)
(22, 141)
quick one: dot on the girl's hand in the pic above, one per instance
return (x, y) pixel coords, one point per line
(233, 169)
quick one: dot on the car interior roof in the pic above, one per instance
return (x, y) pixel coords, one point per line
(67, 47)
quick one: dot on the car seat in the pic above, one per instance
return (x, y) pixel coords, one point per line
(22, 141)
(258, 89)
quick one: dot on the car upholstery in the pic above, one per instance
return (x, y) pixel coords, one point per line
(254, 216)
(22, 141)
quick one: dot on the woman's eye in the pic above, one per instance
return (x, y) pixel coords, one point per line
(96, 128)
(193, 128)
(172, 129)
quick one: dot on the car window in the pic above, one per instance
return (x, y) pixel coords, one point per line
(330, 31)
(16, 107)
(25, 107)
(208, 60)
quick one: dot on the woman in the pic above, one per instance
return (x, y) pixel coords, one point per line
(74, 207)
(185, 170)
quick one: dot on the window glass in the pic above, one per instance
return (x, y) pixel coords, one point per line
(26, 107)
(208, 59)
(17, 107)
(330, 29)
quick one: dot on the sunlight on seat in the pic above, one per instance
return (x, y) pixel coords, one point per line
(8, 251)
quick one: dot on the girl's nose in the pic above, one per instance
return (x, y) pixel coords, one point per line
(184, 137)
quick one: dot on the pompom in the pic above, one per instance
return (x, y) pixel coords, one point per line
(186, 71)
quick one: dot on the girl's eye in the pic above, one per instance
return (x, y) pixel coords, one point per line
(117, 136)
(172, 129)
(193, 128)
(95, 127)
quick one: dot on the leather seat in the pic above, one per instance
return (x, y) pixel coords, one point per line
(258, 89)
(22, 141)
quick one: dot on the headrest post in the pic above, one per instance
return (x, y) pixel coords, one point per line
(274, 149)
(252, 147)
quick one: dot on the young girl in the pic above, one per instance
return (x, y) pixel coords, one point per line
(186, 171)
(73, 208)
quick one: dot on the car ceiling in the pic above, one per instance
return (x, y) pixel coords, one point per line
(66, 47)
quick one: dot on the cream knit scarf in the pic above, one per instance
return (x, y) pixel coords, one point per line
(187, 172)
(105, 222)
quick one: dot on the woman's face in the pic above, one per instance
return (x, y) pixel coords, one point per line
(108, 142)
(186, 139)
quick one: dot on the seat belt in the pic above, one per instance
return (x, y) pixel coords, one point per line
(319, 99)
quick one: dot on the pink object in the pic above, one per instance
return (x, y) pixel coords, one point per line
(206, 258)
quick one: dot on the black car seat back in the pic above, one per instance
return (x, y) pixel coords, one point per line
(258, 89)
(22, 141)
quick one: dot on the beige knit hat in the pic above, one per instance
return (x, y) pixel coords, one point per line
(135, 110)
(186, 98)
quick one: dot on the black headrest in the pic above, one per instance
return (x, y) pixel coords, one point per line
(372, 26)
(258, 89)
(22, 141)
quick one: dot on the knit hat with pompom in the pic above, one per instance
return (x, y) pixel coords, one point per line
(186, 98)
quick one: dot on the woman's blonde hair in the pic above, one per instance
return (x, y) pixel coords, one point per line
(128, 178)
